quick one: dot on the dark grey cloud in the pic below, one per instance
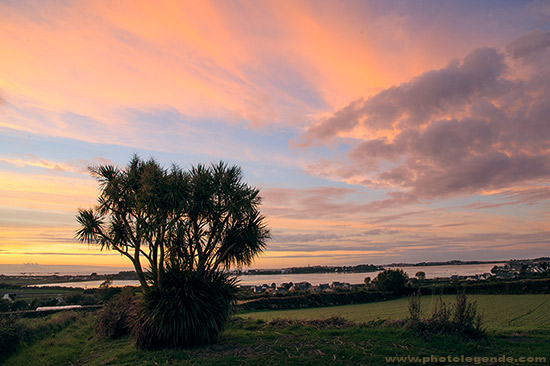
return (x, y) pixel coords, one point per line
(529, 44)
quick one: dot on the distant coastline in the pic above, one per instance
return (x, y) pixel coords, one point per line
(39, 277)
(361, 268)
(365, 268)
(447, 263)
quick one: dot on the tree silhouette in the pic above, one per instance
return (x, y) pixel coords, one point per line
(181, 230)
(203, 219)
(421, 275)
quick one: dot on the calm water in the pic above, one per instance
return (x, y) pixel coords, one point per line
(318, 278)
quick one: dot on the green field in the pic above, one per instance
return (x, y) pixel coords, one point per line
(500, 312)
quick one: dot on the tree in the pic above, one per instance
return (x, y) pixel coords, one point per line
(391, 280)
(420, 275)
(186, 228)
(202, 220)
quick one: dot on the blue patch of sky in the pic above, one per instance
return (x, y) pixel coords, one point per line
(36, 13)
(16, 144)
(177, 138)
(499, 20)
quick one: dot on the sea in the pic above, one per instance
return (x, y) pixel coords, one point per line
(321, 278)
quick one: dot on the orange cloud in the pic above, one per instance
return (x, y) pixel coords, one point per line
(207, 59)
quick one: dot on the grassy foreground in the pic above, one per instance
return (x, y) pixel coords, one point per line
(306, 342)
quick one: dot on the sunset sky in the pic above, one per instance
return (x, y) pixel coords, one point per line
(377, 131)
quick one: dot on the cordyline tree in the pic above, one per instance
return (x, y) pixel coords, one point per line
(180, 229)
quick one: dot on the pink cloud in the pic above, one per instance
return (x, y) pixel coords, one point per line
(479, 124)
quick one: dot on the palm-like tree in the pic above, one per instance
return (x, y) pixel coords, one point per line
(178, 228)
(204, 219)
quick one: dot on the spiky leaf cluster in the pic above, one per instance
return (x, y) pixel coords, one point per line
(204, 219)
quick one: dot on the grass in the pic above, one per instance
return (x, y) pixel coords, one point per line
(249, 341)
(501, 312)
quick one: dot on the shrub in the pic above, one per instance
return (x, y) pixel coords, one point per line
(19, 305)
(462, 318)
(415, 307)
(466, 318)
(114, 319)
(189, 309)
(10, 334)
(441, 317)
(5, 305)
(43, 302)
(106, 293)
(80, 299)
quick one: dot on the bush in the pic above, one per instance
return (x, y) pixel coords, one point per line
(462, 318)
(5, 305)
(189, 309)
(415, 308)
(115, 318)
(10, 334)
(106, 293)
(35, 303)
(80, 299)
(466, 318)
(19, 305)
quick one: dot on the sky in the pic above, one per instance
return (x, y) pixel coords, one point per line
(377, 131)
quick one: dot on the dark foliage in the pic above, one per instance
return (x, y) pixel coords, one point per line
(115, 318)
(391, 280)
(311, 300)
(106, 293)
(5, 305)
(18, 305)
(190, 310)
(80, 299)
(35, 303)
(10, 335)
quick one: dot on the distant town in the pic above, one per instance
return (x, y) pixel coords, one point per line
(509, 270)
